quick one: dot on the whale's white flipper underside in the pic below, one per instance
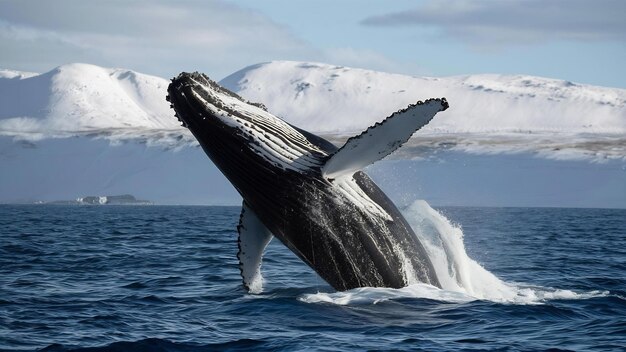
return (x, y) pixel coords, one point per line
(382, 139)
(253, 238)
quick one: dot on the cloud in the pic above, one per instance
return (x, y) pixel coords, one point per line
(159, 37)
(495, 22)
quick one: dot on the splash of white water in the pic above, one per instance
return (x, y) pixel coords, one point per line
(462, 278)
(455, 269)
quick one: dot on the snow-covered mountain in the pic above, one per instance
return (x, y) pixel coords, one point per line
(487, 112)
(101, 107)
(81, 99)
(328, 98)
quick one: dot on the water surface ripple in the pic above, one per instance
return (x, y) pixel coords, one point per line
(165, 278)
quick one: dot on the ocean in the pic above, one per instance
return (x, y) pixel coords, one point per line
(165, 278)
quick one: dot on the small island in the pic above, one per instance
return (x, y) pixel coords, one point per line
(124, 199)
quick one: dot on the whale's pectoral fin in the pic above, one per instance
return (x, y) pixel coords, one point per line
(382, 139)
(253, 238)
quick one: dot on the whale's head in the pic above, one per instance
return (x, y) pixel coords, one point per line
(240, 136)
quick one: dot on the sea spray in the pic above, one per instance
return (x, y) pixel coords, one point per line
(455, 269)
(462, 278)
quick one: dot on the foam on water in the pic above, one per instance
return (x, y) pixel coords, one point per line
(373, 295)
(462, 278)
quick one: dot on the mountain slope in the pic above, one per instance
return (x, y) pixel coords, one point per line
(488, 113)
(330, 98)
(79, 99)
(38, 112)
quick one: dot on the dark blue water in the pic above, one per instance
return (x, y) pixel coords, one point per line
(166, 279)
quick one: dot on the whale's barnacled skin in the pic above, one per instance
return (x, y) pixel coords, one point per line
(344, 226)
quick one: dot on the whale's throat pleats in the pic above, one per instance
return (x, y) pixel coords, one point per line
(266, 135)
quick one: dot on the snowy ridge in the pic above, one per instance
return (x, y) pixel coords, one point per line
(12, 74)
(488, 113)
(81, 99)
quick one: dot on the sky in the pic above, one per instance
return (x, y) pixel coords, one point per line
(576, 40)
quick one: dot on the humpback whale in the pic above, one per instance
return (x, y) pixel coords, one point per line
(303, 190)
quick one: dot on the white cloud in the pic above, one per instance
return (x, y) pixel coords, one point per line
(161, 38)
(493, 22)
(158, 37)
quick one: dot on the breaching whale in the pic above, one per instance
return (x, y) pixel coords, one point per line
(305, 191)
